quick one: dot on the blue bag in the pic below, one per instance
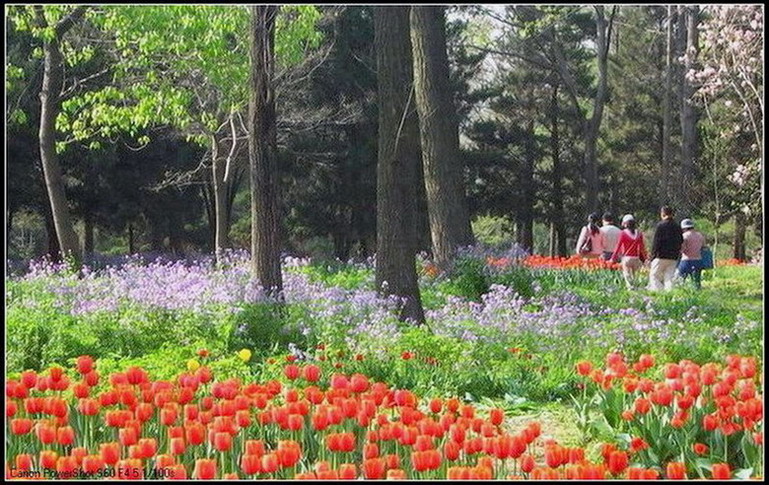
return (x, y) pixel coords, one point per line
(707, 258)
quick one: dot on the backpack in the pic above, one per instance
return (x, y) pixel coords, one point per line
(587, 246)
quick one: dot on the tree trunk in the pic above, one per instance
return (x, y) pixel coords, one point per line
(593, 124)
(667, 114)
(341, 244)
(423, 237)
(398, 163)
(205, 190)
(551, 240)
(439, 133)
(526, 211)
(88, 239)
(221, 239)
(262, 144)
(131, 242)
(50, 104)
(555, 148)
(54, 252)
(689, 113)
(739, 235)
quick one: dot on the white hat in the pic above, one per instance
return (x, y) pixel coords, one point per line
(627, 218)
(687, 224)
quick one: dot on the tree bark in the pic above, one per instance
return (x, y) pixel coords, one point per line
(689, 112)
(262, 145)
(526, 211)
(667, 113)
(555, 149)
(593, 125)
(221, 238)
(131, 242)
(739, 235)
(88, 239)
(206, 190)
(54, 252)
(50, 104)
(439, 133)
(398, 163)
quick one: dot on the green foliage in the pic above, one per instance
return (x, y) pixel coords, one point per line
(493, 230)
(185, 66)
(263, 327)
(468, 278)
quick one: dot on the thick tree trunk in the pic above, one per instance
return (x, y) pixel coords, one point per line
(555, 150)
(689, 113)
(50, 105)
(667, 114)
(593, 124)
(221, 238)
(423, 237)
(739, 235)
(526, 211)
(262, 145)
(54, 252)
(398, 163)
(439, 133)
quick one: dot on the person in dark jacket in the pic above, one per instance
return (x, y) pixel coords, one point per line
(666, 249)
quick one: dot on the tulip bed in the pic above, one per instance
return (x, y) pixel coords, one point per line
(702, 421)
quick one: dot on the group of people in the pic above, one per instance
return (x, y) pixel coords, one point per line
(676, 251)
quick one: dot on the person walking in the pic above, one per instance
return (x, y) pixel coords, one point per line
(666, 249)
(590, 243)
(691, 253)
(631, 248)
(611, 234)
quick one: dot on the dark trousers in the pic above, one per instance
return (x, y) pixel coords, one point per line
(691, 267)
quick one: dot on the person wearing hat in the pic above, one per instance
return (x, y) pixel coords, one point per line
(666, 249)
(691, 253)
(632, 249)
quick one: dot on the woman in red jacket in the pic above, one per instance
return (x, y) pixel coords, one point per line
(632, 249)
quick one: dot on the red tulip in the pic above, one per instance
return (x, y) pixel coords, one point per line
(374, 468)
(618, 461)
(24, 462)
(21, 426)
(721, 471)
(676, 471)
(48, 459)
(84, 364)
(223, 441)
(496, 416)
(251, 464)
(92, 463)
(311, 373)
(205, 469)
(45, 433)
(527, 463)
(396, 474)
(584, 368)
(270, 463)
(65, 435)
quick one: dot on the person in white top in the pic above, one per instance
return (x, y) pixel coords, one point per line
(610, 235)
(590, 243)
